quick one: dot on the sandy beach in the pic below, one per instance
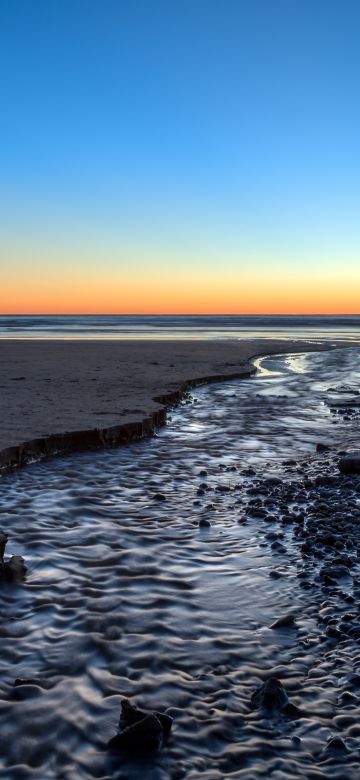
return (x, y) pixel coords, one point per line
(72, 395)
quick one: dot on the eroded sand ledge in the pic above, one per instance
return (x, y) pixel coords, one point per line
(67, 396)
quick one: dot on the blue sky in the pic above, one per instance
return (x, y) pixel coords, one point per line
(191, 133)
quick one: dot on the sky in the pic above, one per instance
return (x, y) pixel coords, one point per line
(192, 156)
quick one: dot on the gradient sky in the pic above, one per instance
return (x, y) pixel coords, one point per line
(180, 156)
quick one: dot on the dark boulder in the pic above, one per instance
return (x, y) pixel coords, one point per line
(287, 621)
(140, 731)
(271, 695)
(350, 463)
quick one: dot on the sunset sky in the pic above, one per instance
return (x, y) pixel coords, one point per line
(180, 156)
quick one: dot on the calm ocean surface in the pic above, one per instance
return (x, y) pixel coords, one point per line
(180, 326)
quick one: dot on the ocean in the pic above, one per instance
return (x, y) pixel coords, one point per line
(345, 327)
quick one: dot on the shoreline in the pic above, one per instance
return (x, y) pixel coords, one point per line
(109, 375)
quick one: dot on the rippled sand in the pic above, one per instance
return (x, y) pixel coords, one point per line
(127, 596)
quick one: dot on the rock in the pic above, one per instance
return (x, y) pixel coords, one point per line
(3, 542)
(159, 497)
(13, 569)
(204, 523)
(29, 681)
(140, 731)
(321, 447)
(271, 695)
(350, 463)
(336, 743)
(143, 736)
(131, 714)
(287, 621)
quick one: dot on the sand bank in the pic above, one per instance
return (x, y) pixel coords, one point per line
(65, 396)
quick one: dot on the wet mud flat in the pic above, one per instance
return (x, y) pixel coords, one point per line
(184, 573)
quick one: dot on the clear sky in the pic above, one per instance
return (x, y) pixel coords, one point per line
(180, 156)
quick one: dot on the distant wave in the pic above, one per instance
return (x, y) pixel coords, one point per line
(179, 326)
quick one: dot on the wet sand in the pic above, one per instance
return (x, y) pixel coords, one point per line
(66, 396)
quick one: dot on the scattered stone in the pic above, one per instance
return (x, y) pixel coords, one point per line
(350, 463)
(271, 695)
(287, 621)
(204, 523)
(336, 743)
(14, 569)
(321, 447)
(140, 731)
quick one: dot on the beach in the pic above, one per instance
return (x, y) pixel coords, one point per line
(208, 572)
(61, 396)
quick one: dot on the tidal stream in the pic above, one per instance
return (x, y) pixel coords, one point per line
(127, 596)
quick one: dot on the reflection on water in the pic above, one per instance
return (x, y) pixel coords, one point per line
(127, 596)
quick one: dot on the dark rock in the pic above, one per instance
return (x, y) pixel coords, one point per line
(350, 463)
(131, 714)
(320, 447)
(3, 542)
(271, 695)
(348, 698)
(204, 523)
(30, 681)
(159, 497)
(13, 569)
(336, 743)
(143, 736)
(287, 621)
(140, 731)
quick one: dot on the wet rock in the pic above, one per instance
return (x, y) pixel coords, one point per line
(350, 463)
(159, 497)
(142, 737)
(131, 714)
(348, 698)
(287, 621)
(336, 743)
(140, 731)
(14, 569)
(204, 523)
(29, 681)
(3, 542)
(321, 447)
(271, 695)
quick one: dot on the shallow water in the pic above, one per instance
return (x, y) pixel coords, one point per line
(185, 326)
(127, 596)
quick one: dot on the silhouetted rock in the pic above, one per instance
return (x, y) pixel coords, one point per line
(13, 569)
(271, 695)
(350, 463)
(140, 731)
(204, 523)
(287, 621)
